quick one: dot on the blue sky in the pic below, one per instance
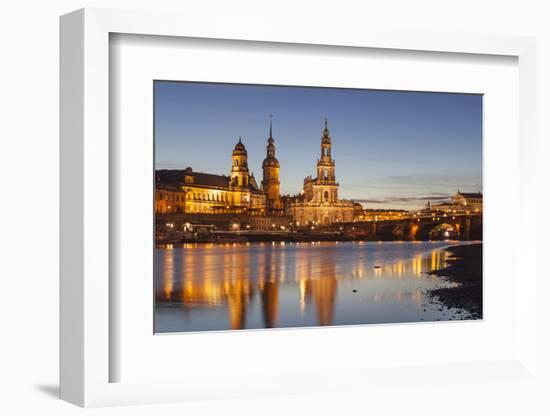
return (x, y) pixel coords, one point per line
(392, 149)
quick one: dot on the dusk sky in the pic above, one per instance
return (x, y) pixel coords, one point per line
(392, 149)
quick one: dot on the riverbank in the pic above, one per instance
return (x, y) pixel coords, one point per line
(464, 268)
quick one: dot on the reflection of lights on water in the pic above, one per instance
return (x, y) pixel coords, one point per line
(239, 281)
(417, 265)
(168, 274)
(302, 296)
(433, 260)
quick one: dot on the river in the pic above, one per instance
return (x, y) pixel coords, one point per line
(202, 287)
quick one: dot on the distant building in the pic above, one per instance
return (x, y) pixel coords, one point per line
(468, 201)
(460, 202)
(443, 207)
(319, 203)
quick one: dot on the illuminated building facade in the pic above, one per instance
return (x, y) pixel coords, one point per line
(319, 203)
(461, 202)
(169, 199)
(468, 201)
(192, 192)
(189, 192)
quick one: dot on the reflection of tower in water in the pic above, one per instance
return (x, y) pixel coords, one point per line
(227, 279)
(168, 275)
(238, 290)
(323, 288)
(269, 289)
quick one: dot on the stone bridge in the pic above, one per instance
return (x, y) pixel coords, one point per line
(459, 226)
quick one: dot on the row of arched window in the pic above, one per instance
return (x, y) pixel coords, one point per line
(198, 196)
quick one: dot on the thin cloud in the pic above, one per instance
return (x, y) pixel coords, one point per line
(405, 200)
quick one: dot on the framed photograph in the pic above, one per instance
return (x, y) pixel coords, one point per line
(350, 244)
(322, 201)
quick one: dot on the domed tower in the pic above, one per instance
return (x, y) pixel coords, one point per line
(239, 166)
(270, 183)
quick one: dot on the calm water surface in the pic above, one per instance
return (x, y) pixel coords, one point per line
(263, 285)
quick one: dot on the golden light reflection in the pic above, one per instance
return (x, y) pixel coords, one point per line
(302, 285)
(238, 279)
(270, 303)
(417, 265)
(236, 293)
(168, 276)
(324, 293)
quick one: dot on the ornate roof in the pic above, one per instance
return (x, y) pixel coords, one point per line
(239, 148)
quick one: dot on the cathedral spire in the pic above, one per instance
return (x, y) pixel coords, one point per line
(270, 140)
(326, 134)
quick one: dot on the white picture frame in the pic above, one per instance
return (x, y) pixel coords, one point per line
(86, 332)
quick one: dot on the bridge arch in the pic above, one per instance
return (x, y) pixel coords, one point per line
(390, 231)
(463, 227)
(438, 230)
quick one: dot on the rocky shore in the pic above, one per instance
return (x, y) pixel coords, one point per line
(464, 267)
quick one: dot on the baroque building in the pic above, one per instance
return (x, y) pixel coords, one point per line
(319, 202)
(186, 191)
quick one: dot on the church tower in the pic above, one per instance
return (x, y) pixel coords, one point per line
(270, 183)
(326, 170)
(239, 166)
(319, 205)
